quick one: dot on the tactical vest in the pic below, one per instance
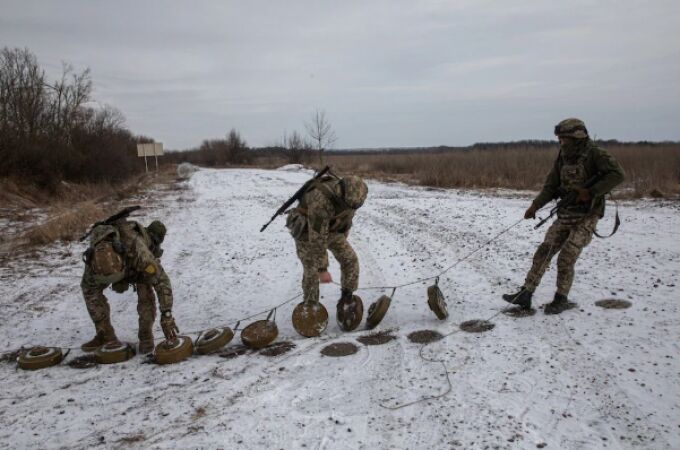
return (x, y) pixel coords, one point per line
(572, 175)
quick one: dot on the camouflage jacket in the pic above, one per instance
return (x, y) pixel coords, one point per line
(142, 265)
(596, 161)
(324, 216)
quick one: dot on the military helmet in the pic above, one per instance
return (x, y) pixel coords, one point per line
(354, 191)
(571, 127)
(157, 230)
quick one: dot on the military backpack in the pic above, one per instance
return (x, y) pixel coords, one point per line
(297, 222)
(106, 254)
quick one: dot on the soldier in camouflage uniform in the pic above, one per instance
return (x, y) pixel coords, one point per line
(321, 222)
(580, 160)
(141, 254)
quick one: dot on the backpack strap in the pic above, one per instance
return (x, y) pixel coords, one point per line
(617, 220)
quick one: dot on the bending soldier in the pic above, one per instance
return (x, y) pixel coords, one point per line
(321, 222)
(120, 254)
(580, 160)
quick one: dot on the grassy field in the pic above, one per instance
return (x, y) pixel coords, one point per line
(651, 169)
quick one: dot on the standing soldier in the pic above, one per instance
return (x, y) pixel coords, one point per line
(588, 172)
(321, 222)
(121, 253)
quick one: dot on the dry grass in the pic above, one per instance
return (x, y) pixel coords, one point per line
(199, 413)
(648, 168)
(69, 210)
(66, 225)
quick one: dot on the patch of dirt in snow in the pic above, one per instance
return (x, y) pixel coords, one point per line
(424, 336)
(140, 437)
(278, 349)
(234, 351)
(83, 362)
(518, 311)
(379, 338)
(613, 303)
(339, 349)
(476, 326)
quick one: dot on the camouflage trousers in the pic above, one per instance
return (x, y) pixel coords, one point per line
(567, 236)
(343, 253)
(98, 305)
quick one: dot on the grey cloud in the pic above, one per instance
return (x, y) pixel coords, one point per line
(388, 73)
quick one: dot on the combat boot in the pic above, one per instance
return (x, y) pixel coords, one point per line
(521, 298)
(559, 304)
(105, 335)
(145, 340)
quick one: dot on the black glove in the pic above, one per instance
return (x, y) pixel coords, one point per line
(530, 213)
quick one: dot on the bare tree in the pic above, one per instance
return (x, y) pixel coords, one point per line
(237, 148)
(47, 133)
(67, 100)
(22, 95)
(296, 148)
(320, 132)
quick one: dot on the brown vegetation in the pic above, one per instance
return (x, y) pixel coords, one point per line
(649, 167)
(216, 152)
(48, 134)
(36, 217)
(67, 224)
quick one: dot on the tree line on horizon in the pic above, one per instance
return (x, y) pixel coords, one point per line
(49, 132)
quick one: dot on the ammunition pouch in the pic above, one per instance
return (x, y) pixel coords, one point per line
(296, 222)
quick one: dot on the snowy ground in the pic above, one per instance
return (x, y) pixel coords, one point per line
(590, 378)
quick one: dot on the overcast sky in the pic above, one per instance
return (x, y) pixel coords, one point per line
(387, 73)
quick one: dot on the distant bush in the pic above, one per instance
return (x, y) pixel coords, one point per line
(216, 152)
(48, 134)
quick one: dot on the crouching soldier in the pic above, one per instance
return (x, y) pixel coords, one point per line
(588, 173)
(121, 253)
(321, 222)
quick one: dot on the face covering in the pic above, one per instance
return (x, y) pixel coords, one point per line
(573, 147)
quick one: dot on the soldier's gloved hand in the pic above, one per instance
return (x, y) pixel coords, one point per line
(582, 195)
(325, 277)
(530, 213)
(169, 326)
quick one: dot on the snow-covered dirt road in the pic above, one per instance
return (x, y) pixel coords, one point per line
(589, 378)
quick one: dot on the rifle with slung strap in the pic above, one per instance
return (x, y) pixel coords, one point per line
(567, 200)
(122, 214)
(297, 196)
(570, 197)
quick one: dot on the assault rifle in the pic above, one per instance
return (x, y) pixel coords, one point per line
(297, 196)
(568, 199)
(122, 214)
